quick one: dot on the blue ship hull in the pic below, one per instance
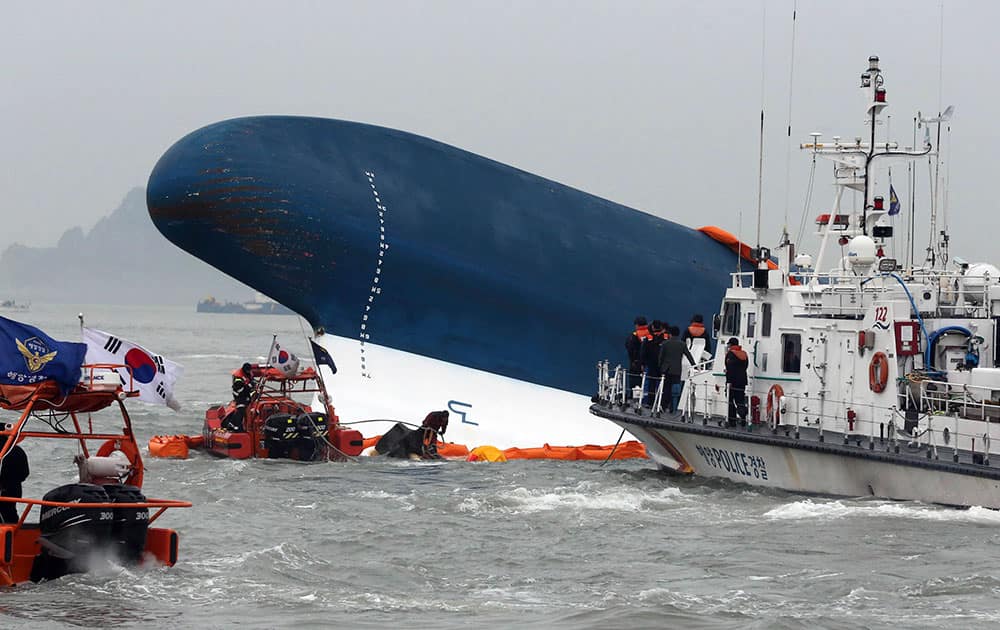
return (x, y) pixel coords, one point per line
(402, 241)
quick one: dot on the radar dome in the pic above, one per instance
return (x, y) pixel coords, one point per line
(976, 278)
(861, 251)
(804, 261)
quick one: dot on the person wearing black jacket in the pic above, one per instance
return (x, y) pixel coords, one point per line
(737, 363)
(651, 356)
(635, 345)
(13, 472)
(672, 351)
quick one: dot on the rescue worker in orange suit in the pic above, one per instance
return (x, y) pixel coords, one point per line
(696, 330)
(672, 352)
(651, 358)
(13, 472)
(736, 379)
(243, 388)
(635, 344)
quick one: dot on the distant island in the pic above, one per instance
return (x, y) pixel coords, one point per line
(123, 259)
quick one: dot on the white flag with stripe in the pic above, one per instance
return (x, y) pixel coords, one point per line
(152, 375)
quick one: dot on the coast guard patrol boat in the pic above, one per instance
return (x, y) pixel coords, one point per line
(875, 377)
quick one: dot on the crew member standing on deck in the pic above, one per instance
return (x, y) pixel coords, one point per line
(243, 388)
(736, 380)
(13, 472)
(635, 344)
(651, 357)
(696, 330)
(671, 353)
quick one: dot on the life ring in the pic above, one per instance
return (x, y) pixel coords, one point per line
(878, 372)
(774, 405)
(129, 449)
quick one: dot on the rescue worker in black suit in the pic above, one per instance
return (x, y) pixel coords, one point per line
(243, 389)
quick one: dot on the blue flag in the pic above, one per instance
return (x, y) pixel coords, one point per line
(322, 356)
(29, 356)
(893, 201)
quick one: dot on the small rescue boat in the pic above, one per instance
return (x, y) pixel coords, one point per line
(276, 425)
(105, 514)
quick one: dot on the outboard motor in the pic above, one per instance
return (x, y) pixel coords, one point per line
(312, 427)
(280, 431)
(130, 525)
(69, 535)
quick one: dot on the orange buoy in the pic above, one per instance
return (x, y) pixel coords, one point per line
(878, 372)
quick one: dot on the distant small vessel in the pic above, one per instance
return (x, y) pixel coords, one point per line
(257, 307)
(11, 305)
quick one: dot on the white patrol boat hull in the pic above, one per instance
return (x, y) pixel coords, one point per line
(762, 458)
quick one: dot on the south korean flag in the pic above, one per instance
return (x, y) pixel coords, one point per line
(282, 360)
(152, 375)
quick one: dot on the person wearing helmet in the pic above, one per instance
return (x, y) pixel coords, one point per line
(243, 388)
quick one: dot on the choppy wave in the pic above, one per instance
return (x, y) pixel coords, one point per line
(835, 509)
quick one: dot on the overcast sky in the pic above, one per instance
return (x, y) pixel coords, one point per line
(654, 105)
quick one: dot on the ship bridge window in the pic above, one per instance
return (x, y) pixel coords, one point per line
(765, 320)
(731, 319)
(751, 324)
(791, 353)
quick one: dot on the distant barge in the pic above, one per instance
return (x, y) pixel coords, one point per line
(211, 305)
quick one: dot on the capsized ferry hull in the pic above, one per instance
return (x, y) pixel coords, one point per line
(389, 238)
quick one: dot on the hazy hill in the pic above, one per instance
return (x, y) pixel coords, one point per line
(122, 260)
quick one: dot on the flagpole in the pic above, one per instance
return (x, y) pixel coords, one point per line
(322, 381)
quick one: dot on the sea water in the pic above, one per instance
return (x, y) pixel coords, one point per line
(526, 544)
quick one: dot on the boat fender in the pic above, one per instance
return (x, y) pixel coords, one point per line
(129, 449)
(878, 372)
(774, 402)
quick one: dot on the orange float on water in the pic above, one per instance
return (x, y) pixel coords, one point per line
(174, 446)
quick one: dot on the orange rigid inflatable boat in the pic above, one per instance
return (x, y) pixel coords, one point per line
(106, 511)
(277, 424)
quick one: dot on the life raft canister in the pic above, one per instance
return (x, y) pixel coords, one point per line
(774, 396)
(878, 372)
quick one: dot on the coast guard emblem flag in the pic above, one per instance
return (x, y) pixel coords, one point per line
(893, 201)
(29, 356)
(322, 356)
(152, 375)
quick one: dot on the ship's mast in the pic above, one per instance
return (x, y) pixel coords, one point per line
(853, 163)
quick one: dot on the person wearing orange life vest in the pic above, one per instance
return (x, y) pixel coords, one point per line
(737, 363)
(635, 346)
(696, 330)
(243, 388)
(650, 357)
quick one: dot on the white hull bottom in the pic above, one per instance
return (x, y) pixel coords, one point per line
(808, 471)
(485, 409)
